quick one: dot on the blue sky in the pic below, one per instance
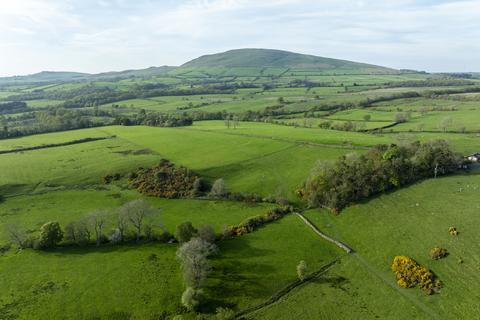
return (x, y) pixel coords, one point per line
(104, 35)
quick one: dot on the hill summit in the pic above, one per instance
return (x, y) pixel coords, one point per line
(276, 58)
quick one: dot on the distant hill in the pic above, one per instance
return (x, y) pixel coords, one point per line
(61, 76)
(152, 71)
(215, 64)
(279, 59)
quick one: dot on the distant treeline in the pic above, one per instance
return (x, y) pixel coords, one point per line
(154, 120)
(13, 107)
(91, 95)
(358, 176)
(440, 82)
(61, 119)
(55, 119)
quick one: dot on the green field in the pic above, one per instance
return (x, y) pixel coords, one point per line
(258, 122)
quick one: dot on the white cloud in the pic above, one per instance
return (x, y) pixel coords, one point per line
(100, 35)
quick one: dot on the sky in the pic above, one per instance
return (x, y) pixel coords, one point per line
(105, 35)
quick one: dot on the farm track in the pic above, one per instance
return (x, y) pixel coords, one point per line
(298, 142)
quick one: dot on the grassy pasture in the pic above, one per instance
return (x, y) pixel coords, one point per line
(251, 268)
(123, 282)
(434, 121)
(43, 103)
(247, 164)
(315, 122)
(375, 115)
(50, 138)
(70, 165)
(106, 283)
(346, 291)
(67, 205)
(410, 222)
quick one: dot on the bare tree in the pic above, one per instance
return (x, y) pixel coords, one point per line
(137, 211)
(122, 222)
(17, 235)
(235, 122)
(98, 220)
(446, 123)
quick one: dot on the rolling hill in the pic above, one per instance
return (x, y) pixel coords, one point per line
(233, 61)
(260, 58)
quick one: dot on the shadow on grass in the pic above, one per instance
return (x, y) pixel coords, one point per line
(234, 275)
(104, 248)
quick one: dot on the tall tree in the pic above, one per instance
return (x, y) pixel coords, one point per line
(137, 211)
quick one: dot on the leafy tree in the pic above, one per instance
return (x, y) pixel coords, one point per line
(382, 168)
(184, 232)
(219, 190)
(400, 118)
(367, 117)
(192, 298)
(50, 235)
(224, 314)
(302, 270)
(207, 233)
(194, 258)
(199, 187)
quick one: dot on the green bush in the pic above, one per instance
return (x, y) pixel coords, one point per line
(438, 253)
(184, 232)
(50, 235)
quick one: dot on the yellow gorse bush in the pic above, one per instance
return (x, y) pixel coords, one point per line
(453, 231)
(409, 274)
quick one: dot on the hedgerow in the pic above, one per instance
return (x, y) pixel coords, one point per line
(252, 223)
(410, 274)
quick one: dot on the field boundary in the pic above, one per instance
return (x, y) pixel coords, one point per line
(298, 142)
(315, 229)
(54, 145)
(288, 288)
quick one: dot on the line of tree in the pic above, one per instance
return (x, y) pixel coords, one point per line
(51, 120)
(154, 119)
(197, 245)
(384, 167)
(432, 82)
(135, 221)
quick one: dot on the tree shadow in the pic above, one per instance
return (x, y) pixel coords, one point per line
(233, 275)
(104, 248)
